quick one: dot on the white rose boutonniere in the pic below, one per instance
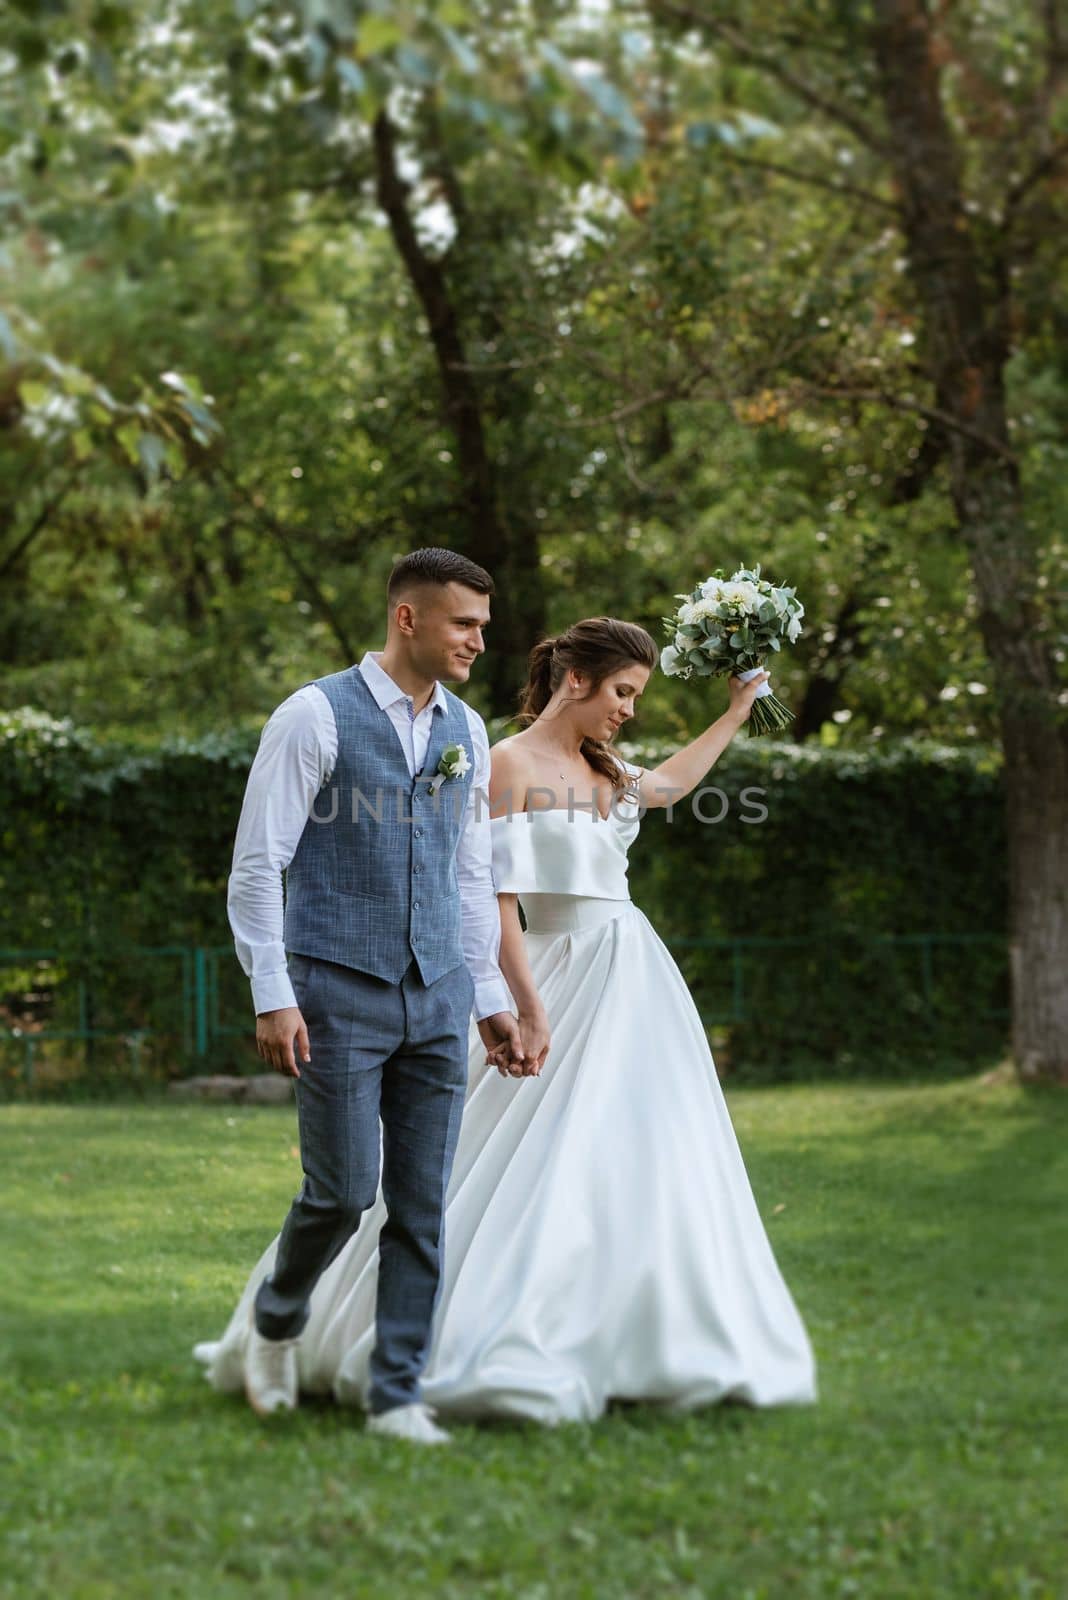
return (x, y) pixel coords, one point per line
(454, 763)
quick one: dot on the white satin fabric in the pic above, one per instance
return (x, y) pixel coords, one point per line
(602, 1239)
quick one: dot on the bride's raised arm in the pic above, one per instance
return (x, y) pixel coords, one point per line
(679, 774)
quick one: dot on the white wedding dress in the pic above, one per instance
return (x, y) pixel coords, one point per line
(602, 1240)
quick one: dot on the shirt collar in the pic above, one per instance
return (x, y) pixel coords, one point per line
(386, 692)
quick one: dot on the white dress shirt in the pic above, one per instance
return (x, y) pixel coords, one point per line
(296, 757)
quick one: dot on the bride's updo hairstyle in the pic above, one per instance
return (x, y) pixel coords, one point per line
(596, 647)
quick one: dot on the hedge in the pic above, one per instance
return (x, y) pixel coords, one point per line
(110, 851)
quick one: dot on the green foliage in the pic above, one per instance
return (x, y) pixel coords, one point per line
(109, 851)
(857, 845)
(676, 263)
(109, 848)
(651, 346)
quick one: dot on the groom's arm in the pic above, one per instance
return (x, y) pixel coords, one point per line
(481, 926)
(296, 756)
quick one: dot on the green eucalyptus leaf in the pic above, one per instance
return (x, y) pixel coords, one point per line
(351, 74)
(416, 65)
(152, 454)
(465, 57)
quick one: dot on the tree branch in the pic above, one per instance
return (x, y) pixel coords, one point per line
(1041, 169)
(440, 166)
(38, 525)
(912, 407)
(626, 455)
(487, 534)
(462, 405)
(863, 195)
(1056, 64)
(612, 419)
(688, 14)
(283, 538)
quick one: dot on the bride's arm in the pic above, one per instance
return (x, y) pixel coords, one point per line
(675, 777)
(533, 1020)
(508, 792)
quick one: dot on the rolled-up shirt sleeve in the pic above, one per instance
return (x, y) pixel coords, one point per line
(296, 756)
(478, 894)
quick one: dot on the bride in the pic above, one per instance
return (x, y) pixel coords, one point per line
(602, 1239)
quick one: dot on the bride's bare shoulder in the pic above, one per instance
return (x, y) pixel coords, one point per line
(509, 769)
(509, 752)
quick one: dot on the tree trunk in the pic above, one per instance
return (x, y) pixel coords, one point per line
(823, 692)
(966, 353)
(488, 537)
(1036, 777)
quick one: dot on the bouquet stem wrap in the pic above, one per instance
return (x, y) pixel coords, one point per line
(765, 718)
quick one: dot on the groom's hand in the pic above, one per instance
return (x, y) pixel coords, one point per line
(276, 1034)
(504, 1047)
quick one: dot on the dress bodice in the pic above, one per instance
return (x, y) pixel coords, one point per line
(572, 852)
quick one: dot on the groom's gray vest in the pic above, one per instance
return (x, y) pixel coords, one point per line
(373, 881)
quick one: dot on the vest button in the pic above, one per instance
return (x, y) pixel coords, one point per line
(418, 833)
(415, 905)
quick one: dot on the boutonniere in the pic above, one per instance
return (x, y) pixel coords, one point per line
(453, 764)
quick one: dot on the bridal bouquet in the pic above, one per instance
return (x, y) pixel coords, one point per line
(728, 627)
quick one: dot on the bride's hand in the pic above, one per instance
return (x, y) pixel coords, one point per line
(534, 1032)
(743, 695)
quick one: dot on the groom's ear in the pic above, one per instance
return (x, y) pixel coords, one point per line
(404, 617)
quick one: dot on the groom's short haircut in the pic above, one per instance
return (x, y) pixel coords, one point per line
(435, 566)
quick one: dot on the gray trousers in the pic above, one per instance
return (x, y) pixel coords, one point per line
(388, 1065)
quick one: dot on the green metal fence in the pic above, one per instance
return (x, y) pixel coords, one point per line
(925, 945)
(207, 1000)
(185, 1008)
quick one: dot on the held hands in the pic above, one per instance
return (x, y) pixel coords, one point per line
(504, 1048)
(743, 695)
(516, 1048)
(276, 1034)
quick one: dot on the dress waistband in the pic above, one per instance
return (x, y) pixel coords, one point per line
(569, 913)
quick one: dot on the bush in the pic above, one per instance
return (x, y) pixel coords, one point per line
(113, 870)
(859, 849)
(115, 862)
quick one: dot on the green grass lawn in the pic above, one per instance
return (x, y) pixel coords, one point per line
(923, 1231)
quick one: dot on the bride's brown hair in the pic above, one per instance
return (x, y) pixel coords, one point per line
(596, 647)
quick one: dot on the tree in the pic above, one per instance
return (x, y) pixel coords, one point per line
(604, 300)
(615, 326)
(969, 167)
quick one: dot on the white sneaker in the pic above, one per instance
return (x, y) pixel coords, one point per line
(414, 1423)
(270, 1372)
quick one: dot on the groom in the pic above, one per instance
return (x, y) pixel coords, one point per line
(391, 930)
